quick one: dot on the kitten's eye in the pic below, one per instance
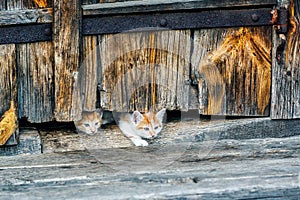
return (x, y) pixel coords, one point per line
(146, 128)
(96, 124)
(86, 125)
(156, 127)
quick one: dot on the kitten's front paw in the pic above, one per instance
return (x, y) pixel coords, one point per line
(140, 142)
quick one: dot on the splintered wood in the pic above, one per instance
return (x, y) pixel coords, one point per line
(145, 70)
(66, 31)
(8, 124)
(35, 73)
(234, 71)
(8, 92)
(41, 3)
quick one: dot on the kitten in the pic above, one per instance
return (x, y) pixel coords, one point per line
(137, 126)
(90, 122)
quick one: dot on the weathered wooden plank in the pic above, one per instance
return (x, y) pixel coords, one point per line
(2, 5)
(36, 81)
(168, 5)
(286, 62)
(21, 4)
(188, 131)
(89, 73)
(145, 70)
(14, 4)
(27, 16)
(39, 3)
(8, 83)
(260, 168)
(235, 65)
(293, 52)
(86, 2)
(7, 76)
(66, 38)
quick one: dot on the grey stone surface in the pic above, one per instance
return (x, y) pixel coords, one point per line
(29, 143)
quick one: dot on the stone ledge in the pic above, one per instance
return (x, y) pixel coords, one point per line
(29, 143)
(174, 133)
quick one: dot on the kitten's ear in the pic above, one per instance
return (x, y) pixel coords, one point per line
(99, 111)
(137, 117)
(160, 115)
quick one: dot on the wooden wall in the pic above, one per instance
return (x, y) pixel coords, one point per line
(232, 71)
(286, 67)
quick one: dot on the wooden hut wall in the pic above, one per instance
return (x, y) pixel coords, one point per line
(57, 79)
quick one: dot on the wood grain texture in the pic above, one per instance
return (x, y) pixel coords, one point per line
(8, 89)
(236, 68)
(27, 16)
(7, 76)
(145, 70)
(233, 169)
(168, 5)
(87, 2)
(36, 81)
(8, 123)
(89, 73)
(66, 39)
(286, 73)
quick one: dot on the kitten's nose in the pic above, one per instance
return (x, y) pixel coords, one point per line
(152, 134)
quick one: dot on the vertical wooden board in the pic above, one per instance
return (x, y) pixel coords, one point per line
(8, 95)
(22, 4)
(36, 84)
(86, 2)
(66, 39)
(89, 73)
(3, 5)
(7, 76)
(286, 64)
(294, 55)
(145, 70)
(234, 66)
(14, 4)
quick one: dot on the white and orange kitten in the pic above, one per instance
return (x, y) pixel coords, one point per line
(137, 126)
(90, 122)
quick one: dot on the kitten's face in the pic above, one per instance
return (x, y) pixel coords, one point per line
(90, 122)
(149, 125)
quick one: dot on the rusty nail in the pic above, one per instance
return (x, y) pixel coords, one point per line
(187, 82)
(254, 17)
(48, 31)
(163, 22)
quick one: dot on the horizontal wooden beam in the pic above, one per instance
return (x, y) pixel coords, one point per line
(12, 17)
(23, 26)
(143, 6)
